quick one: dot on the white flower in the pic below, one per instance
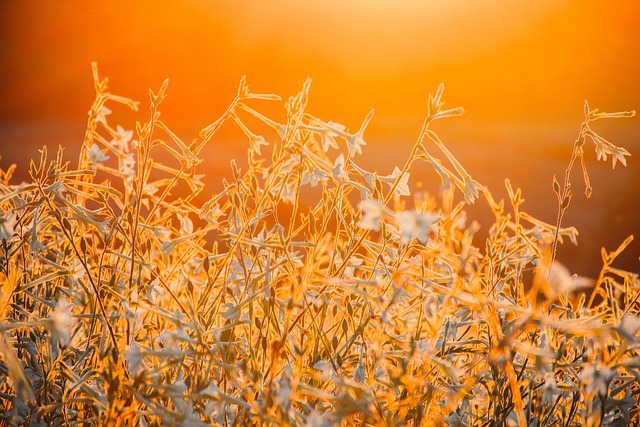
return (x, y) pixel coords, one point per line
(315, 419)
(350, 269)
(283, 395)
(596, 378)
(328, 137)
(134, 315)
(149, 190)
(314, 176)
(455, 420)
(289, 193)
(479, 396)
(471, 189)
(550, 387)
(155, 291)
(602, 151)
(35, 247)
(402, 189)
(101, 117)
(186, 225)
(563, 282)
(62, 321)
(255, 141)
(210, 212)
(133, 356)
(326, 369)
(127, 165)
(415, 224)
(77, 270)
(96, 156)
(360, 375)
(372, 211)
(356, 141)
(7, 225)
(169, 246)
(338, 172)
(295, 259)
(121, 139)
(618, 153)
(629, 327)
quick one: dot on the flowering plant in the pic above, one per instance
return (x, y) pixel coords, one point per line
(127, 301)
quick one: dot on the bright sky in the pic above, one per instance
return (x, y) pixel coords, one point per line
(501, 59)
(521, 70)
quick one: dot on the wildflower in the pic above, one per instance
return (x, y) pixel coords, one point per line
(255, 141)
(356, 141)
(96, 156)
(618, 153)
(121, 139)
(355, 144)
(478, 396)
(283, 395)
(402, 188)
(189, 418)
(372, 211)
(471, 189)
(368, 176)
(295, 258)
(326, 369)
(289, 193)
(415, 224)
(629, 327)
(315, 419)
(454, 419)
(596, 378)
(77, 270)
(210, 212)
(550, 387)
(602, 150)
(360, 374)
(7, 225)
(134, 315)
(186, 225)
(314, 176)
(155, 291)
(168, 246)
(218, 410)
(127, 165)
(328, 137)
(149, 189)
(293, 161)
(350, 270)
(62, 321)
(133, 356)
(35, 247)
(338, 171)
(101, 116)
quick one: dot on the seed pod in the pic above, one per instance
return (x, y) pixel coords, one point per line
(556, 185)
(334, 343)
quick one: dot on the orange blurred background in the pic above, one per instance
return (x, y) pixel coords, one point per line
(522, 70)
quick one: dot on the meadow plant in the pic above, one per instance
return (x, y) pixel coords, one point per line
(309, 291)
